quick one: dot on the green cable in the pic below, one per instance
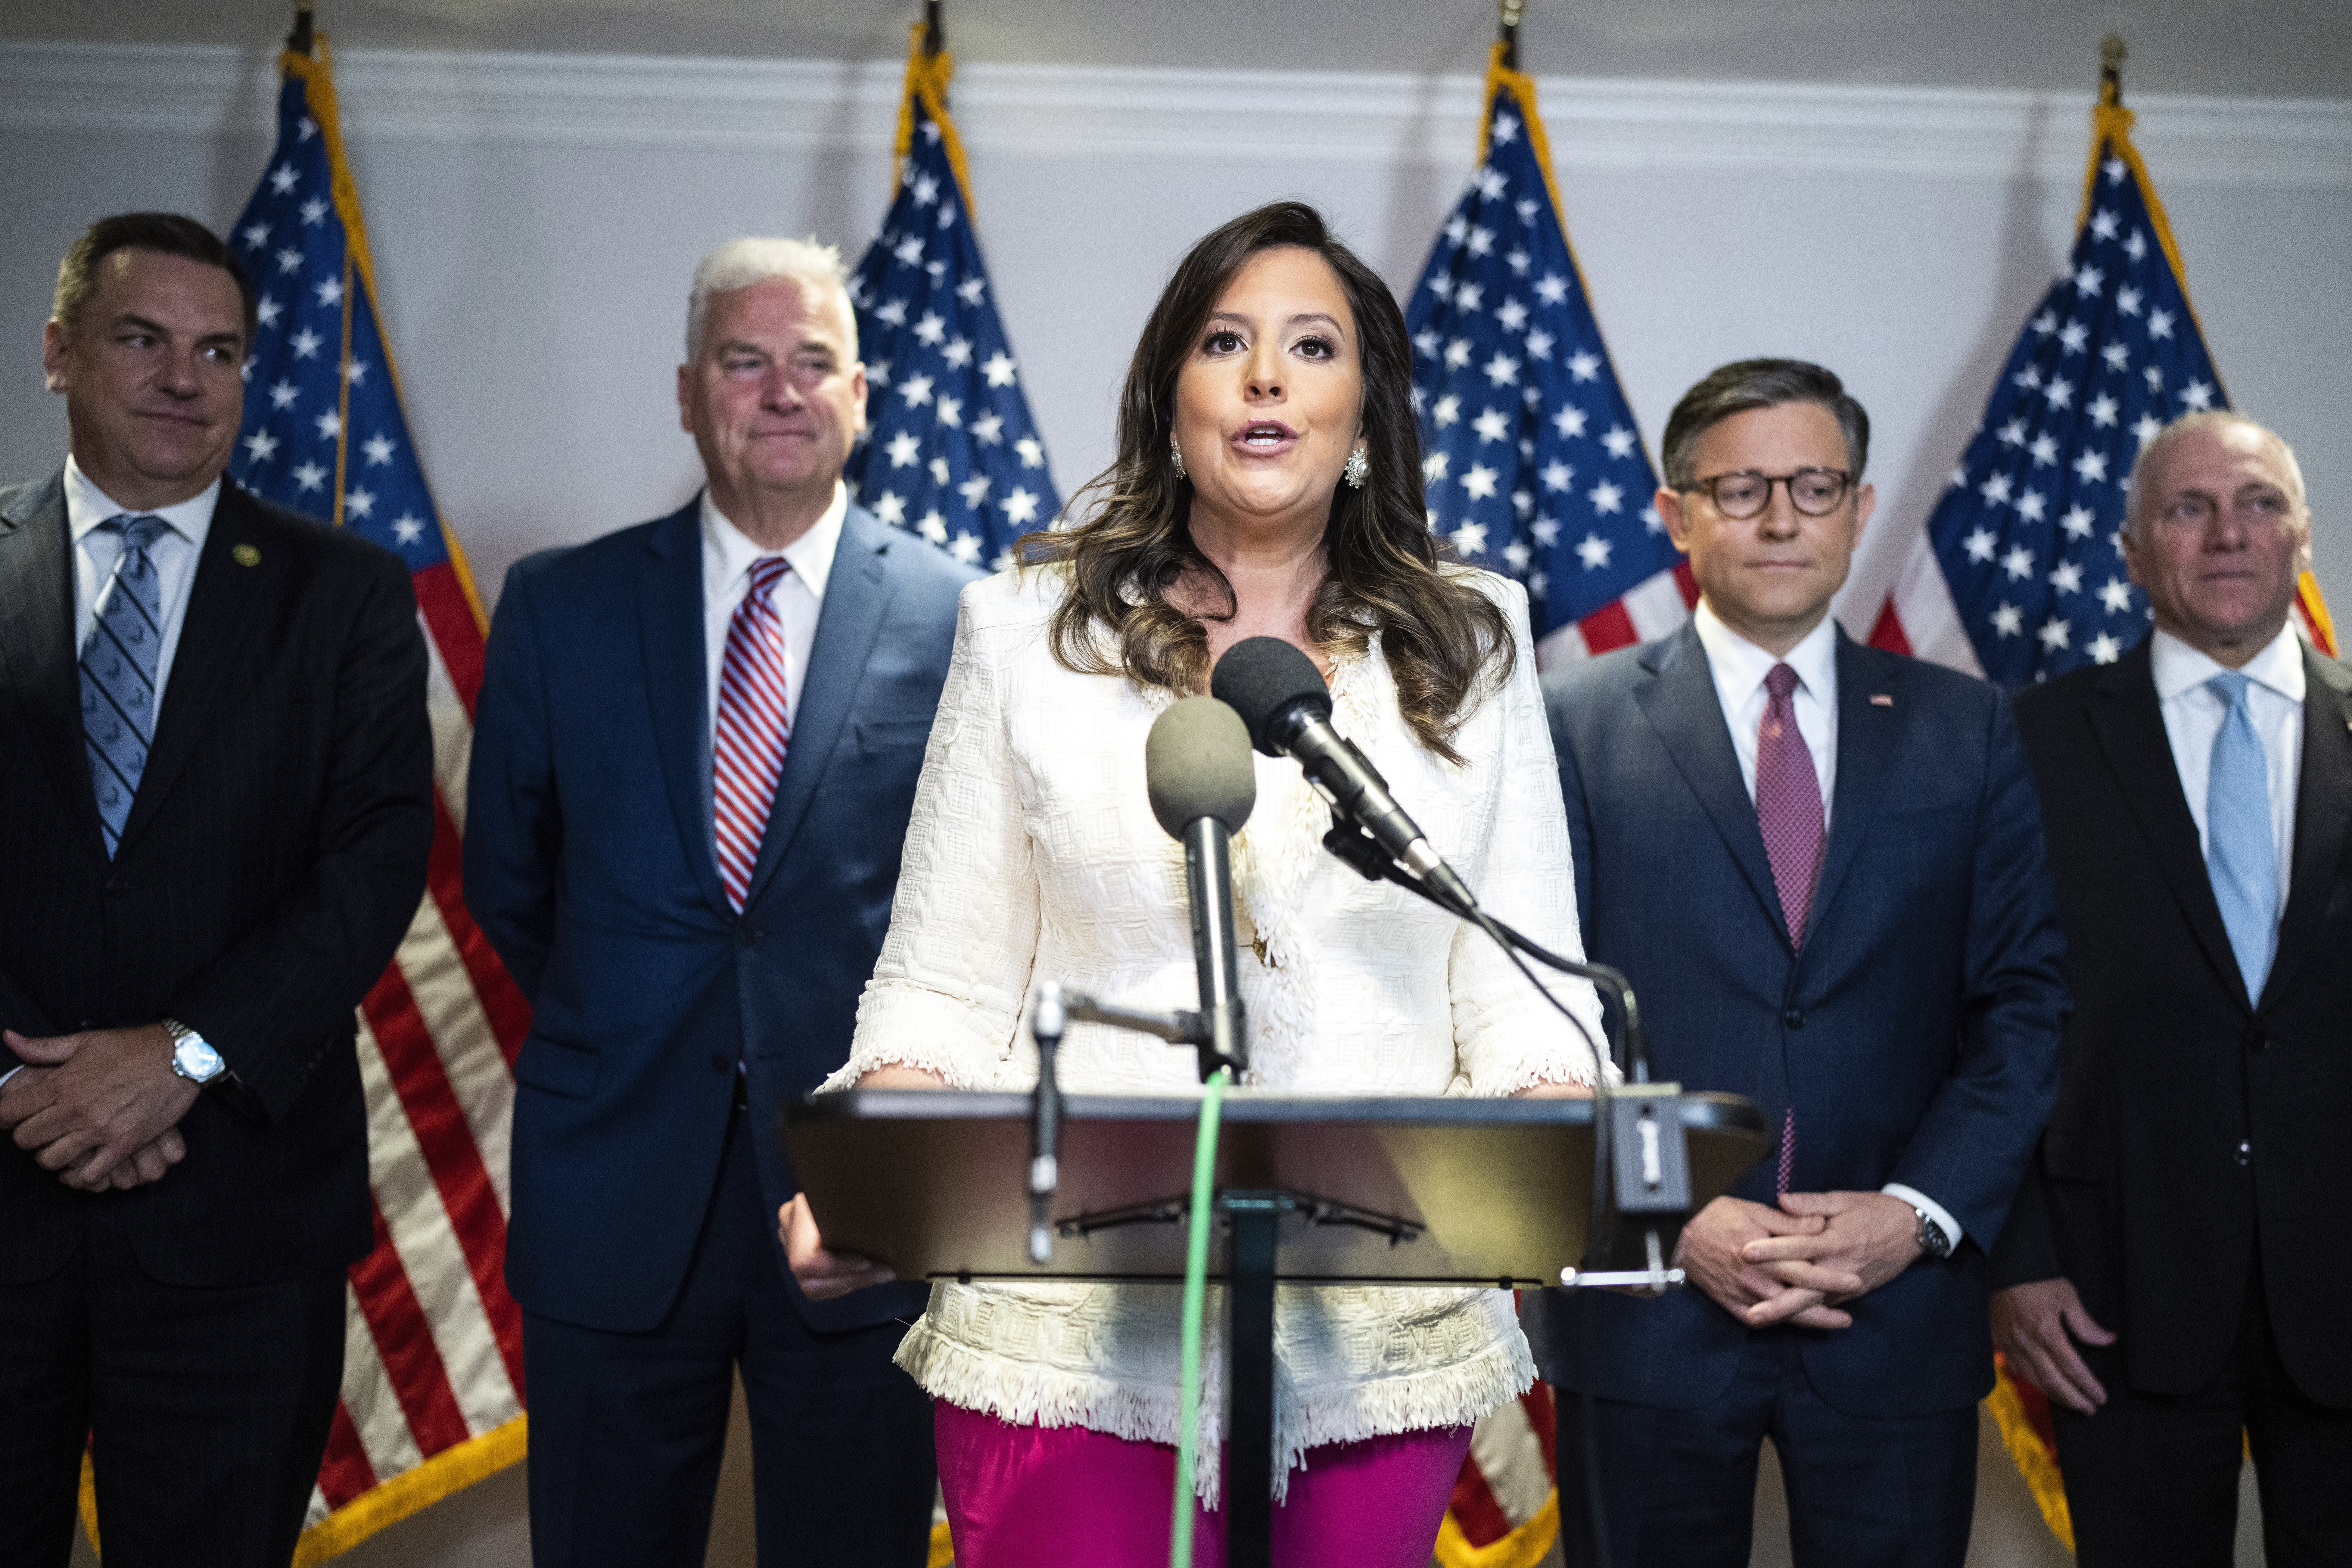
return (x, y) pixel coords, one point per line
(1200, 1221)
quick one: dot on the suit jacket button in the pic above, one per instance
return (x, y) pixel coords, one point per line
(1794, 1018)
(2244, 1153)
(115, 884)
(746, 937)
(2257, 1042)
(720, 1064)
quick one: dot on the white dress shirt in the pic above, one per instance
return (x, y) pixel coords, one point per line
(2193, 712)
(174, 554)
(798, 596)
(1739, 667)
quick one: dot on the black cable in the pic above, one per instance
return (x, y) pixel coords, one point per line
(1351, 845)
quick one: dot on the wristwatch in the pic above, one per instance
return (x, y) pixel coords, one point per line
(1933, 1242)
(192, 1057)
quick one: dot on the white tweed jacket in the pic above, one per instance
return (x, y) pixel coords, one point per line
(1033, 855)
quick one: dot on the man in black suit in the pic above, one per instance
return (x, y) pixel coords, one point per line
(216, 773)
(2173, 1271)
(1820, 867)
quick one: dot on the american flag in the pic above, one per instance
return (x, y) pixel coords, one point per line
(1532, 461)
(433, 1379)
(2027, 536)
(950, 451)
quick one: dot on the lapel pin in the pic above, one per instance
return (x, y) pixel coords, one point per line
(246, 555)
(1880, 699)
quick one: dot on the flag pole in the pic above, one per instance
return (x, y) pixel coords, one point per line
(2111, 70)
(298, 42)
(1507, 14)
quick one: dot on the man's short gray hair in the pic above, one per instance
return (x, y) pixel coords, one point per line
(1748, 383)
(741, 262)
(2135, 510)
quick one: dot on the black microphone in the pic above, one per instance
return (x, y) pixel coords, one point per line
(1196, 764)
(1280, 696)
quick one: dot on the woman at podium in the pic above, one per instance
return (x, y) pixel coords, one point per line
(1268, 483)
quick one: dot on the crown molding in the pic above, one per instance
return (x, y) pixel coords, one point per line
(1128, 115)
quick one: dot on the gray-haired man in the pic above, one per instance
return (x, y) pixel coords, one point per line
(694, 763)
(2171, 1274)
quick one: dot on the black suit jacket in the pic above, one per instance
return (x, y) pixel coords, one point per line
(273, 857)
(2141, 1193)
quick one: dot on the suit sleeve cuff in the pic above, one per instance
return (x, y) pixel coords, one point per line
(1935, 1211)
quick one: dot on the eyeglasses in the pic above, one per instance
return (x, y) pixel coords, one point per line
(1815, 492)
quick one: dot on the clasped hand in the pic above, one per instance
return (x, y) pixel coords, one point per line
(101, 1109)
(1801, 1262)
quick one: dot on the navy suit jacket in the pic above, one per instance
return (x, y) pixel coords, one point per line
(591, 862)
(1916, 1031)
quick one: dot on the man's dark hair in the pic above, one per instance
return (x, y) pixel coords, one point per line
(167, 234)
(1759, 383)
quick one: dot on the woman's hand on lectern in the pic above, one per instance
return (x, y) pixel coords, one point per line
(822, 1275)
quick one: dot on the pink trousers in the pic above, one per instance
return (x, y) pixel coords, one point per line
(1063, 1497)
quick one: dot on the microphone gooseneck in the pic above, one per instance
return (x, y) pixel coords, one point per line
(1282, 699)
(1197, 769)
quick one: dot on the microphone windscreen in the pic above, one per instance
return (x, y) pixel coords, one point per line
(1196, 764)
(1264, 678)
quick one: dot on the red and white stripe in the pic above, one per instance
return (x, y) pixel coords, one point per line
(433, 1351)
(754, 727)
(1645, 612)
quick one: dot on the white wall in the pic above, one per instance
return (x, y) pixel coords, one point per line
(535, 220)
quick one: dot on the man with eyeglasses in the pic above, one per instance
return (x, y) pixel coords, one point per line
(2168, 1278)
(1822, 867)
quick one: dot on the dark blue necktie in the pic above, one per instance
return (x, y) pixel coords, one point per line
(117, 673)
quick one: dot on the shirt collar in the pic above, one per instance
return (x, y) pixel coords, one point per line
(2178, 668)
(728, 552)
(1740, 667)
(87, 506)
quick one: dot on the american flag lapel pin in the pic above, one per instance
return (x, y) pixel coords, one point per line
(1880, 699)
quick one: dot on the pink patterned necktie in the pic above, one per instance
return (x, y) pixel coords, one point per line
(1789, 810)
(754, 728)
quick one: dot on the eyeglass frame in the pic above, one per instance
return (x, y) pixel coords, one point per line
(1706, 487)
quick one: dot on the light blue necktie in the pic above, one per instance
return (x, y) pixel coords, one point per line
(118, 674)
(2239, 855)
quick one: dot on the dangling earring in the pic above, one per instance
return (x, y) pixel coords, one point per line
(1175, 456)
(1358, 466)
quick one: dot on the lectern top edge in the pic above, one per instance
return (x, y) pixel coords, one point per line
(1700, 1110)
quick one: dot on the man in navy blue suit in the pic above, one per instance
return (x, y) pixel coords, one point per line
(1821, 866)
(693, 766)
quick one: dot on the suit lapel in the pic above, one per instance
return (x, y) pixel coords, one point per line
(1682, 707)
(1865, 743)
(36, 647)
(857, 594)
(2322, 813)
(677, 686)
(2130, 730)
(225, 604)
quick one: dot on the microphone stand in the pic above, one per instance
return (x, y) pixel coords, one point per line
(1641, 1162)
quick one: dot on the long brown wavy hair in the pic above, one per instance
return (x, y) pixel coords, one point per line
(1441, 635)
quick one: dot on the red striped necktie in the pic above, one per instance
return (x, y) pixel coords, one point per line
(754, 729)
